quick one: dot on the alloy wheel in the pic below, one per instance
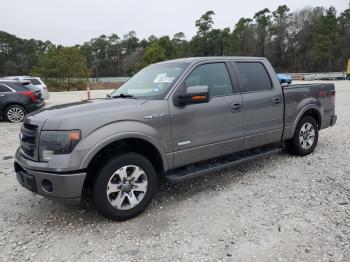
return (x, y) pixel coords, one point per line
(127, 187)
(307, 136)
(15, 114)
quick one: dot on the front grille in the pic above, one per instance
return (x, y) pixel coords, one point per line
(28, 140)
(30, 127)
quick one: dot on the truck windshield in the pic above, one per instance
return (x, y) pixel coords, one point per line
(152, 82)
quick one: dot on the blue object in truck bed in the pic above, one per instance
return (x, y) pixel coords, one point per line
(284, 78)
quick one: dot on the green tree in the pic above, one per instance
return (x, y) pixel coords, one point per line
(179, 37)
(244, 37)
(225, 41)
(18, 56)
(182, 48)
(153, 54)
(343, 39)
(130, 42)
(279, 33)
(71, 63)
(324, 41)
(263, 21)
(63, 63)
(204, 25)
(168, 46)
(48, 65)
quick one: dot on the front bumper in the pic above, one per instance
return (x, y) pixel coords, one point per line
(56, 186)
(333, 120)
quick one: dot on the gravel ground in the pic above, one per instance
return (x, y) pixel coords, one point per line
(281, 208)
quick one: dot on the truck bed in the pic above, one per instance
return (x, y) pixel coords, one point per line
(297, 96)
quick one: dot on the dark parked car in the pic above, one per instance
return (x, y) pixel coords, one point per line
(17, 98)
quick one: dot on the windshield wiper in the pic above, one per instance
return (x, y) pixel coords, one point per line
(124, 96)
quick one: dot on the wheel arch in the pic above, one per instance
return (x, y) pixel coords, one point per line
(311, 110)
(140, 145)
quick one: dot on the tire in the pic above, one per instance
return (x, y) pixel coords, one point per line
(120, 200)
(305, 137)
(15, 113)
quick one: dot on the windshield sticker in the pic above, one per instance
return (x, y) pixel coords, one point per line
(140, 91)
(163, 78)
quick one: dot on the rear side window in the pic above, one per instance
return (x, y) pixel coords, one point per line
(34, 81)
(4, 89)
(253, 77)
(30, 86)
(215, 76)
(19, 86)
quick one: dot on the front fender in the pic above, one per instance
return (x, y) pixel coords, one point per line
(105, 135)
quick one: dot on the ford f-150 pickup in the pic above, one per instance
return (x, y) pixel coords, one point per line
(172, 121)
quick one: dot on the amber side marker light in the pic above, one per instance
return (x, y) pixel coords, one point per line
(74, 136)
(197, 98)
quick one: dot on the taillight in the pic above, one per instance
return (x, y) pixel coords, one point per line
(30, 94)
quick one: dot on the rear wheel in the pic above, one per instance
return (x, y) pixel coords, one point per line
(124, 186)
(305, 137)
(15, 113)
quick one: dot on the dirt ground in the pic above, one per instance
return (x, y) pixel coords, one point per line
(281, 208)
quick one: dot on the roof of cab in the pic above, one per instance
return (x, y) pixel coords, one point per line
(211, 58)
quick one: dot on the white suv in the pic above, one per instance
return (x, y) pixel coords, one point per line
(35, 81)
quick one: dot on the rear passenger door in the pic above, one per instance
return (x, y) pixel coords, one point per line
(262, 104)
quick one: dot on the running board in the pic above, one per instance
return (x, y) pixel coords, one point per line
(195, 170)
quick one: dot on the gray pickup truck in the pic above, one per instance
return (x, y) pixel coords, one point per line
(172, 121)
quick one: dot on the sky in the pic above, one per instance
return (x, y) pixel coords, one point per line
(70, 22)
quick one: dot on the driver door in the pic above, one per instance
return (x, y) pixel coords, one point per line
(207, 130)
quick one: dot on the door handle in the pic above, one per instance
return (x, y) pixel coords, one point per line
(276, 100)
(236, 106)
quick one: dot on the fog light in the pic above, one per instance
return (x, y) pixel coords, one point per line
(47, 185)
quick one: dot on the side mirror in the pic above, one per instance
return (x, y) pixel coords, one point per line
(193, 95)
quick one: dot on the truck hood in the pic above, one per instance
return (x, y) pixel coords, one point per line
(92, 112)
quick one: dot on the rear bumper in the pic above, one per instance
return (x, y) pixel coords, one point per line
(333, 120)
(61, 187)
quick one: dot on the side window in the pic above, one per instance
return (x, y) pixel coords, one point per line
(34, 81)
(4, 89)
(215, 76)
(253, 77)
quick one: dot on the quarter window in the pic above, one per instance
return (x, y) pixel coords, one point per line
(215, 76)
(253, 77)
(34, 81)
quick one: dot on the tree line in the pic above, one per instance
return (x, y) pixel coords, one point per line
(309, 40)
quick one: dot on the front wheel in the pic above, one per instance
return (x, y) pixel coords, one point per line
(125, 186)
(305, 137)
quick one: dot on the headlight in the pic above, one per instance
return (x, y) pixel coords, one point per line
(57, 142)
